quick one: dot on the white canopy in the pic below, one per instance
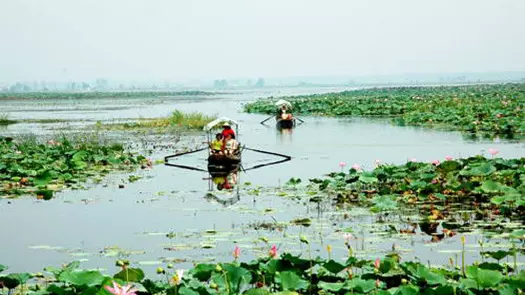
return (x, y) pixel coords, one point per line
(282, 102)
(219, 122)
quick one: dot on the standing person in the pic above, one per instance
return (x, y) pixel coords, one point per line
(226, 129)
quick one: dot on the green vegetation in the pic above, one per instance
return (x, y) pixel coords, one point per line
(4, 119)
(97, 94)
(490, 109)
(177, 119)
(27, 166)
(496, 185)
(287, 274)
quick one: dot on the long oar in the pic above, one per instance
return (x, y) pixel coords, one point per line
(184, 166)
(262, 122)
(286, 158)
(302, 121)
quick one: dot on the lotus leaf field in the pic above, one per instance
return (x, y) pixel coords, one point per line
(278, 274)
(496, 185)
(491, 110)
(41, 168)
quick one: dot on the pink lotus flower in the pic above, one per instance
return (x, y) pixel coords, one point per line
(236, 252)
(493, 152)
(435, 162)
(448, 158)
(378, 163)
(356, 167)
(413, 160)
(119, 290)
(273, 252)
(348, 236)
(342, 165)
(377, 263)
(378, 283)
(434, 181)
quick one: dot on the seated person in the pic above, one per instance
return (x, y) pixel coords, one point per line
(286, 116)
(231, 145)
(226, 129)
(217, 144)
(282, 113)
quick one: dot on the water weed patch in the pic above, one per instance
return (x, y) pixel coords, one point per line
(29, 166)
(489, 109)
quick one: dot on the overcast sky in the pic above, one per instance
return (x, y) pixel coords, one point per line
(175, 39)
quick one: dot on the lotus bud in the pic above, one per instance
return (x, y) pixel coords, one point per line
(160, 270)
(329, 248)
(304, 240)
(463, 240)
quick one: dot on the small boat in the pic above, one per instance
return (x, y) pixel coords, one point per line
(221, 165)
(281, 123)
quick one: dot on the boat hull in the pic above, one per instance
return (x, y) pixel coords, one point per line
(285, 124)
(221, 165)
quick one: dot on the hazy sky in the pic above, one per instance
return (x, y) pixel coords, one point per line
(175, 39)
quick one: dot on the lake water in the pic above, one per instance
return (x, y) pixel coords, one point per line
(105, 222)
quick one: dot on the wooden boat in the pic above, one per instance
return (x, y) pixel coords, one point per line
(222, 165)
(284, 123)
(280, 121)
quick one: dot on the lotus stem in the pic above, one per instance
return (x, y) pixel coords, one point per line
(463, 255)
(515, 257)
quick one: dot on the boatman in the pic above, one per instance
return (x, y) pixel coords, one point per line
(226, 129)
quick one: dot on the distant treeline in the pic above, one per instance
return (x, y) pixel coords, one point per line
(97, 94)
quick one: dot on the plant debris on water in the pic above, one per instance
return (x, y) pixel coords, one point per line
(489, 109)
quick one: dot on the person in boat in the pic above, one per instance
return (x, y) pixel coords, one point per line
(227, 129)
(283, 113)
(217, 145)
(231, 145)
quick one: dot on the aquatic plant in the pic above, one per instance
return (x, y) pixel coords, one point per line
(4, 119)
(29, 166)
(496, 184)
(496, 110)
(177, 119)
(284, 275)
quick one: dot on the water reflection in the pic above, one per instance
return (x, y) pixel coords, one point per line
(284, 135)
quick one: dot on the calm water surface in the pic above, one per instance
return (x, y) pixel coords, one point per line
(103, 223)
